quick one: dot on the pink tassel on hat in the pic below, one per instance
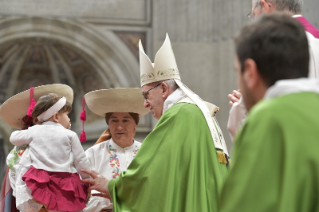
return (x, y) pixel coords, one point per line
(83, 118)
(32, 102)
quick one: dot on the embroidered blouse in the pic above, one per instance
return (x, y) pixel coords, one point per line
(109, 160)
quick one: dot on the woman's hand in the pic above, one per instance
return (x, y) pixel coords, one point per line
(98, 183)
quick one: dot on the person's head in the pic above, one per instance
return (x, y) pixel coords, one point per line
(47, 101)
(272, 48)
(121, 108)
(122, 127)
(265, 6)
(158, 79)
(156, 93)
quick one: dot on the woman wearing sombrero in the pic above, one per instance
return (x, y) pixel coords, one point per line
(116, 147)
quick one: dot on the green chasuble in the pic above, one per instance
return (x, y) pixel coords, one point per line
(176, 168)
(276, 158)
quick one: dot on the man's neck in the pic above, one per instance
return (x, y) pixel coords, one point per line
(174, 97)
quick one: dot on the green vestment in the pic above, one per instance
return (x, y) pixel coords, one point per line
(276, 158)
(175, 170)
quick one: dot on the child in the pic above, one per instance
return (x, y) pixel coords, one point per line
(56, 156)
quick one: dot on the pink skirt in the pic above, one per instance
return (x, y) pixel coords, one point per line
(59, 191)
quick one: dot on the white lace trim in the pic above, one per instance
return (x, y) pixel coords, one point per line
(97, 204)
(24, 200)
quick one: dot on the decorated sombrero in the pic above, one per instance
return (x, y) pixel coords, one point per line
(128, 100)
(16, 107)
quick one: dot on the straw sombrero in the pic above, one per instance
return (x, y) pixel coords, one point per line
(15, 108)
(104, 101)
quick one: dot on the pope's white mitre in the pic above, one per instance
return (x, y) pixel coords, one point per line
(164, 66)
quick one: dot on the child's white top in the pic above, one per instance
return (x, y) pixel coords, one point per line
(53, 148)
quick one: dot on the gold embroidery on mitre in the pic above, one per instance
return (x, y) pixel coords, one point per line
(168, 73)
(147, 77)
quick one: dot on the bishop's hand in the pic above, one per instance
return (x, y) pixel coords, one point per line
(98, 183)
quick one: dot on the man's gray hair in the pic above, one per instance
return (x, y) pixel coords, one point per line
(171, 84)
(294, 6)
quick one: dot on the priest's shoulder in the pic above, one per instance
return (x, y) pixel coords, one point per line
(268, 109)
(184, 108)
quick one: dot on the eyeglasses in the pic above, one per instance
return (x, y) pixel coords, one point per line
(251, 15)
(145, 94)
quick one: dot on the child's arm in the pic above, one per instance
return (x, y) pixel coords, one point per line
(20, 138)
(80, 160)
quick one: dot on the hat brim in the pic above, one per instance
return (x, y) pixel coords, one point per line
(127, 100)
(16, 107)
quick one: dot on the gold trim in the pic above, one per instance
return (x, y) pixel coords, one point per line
(221, 157)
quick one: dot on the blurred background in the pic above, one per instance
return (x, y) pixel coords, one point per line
(92, 45)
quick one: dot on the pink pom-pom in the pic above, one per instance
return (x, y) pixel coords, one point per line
(83, 136)
(83, 118)
(32, 104)
(83, 115)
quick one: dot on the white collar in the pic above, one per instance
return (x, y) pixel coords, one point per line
(177, 95)
(283, 87)
(51, 123)
(121, 148)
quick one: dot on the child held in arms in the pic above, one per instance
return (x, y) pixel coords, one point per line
(56, 157)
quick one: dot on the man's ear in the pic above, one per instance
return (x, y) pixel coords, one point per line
(266, 5)
(165, 90)
(251, 74)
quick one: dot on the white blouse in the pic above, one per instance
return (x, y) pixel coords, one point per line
(109, 160)
(52, 148)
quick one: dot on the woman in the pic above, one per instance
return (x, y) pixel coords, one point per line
(116, 148)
